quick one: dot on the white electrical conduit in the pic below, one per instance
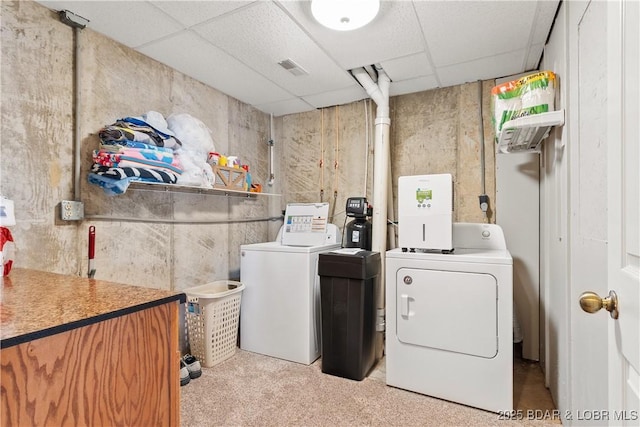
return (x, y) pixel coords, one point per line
(271, 148)
(321, 164)
(481, 124)
(77, 100)
(482, 149)
(380, 95)
(178, 221)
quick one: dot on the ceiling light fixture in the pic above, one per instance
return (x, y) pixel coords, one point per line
(344, 15)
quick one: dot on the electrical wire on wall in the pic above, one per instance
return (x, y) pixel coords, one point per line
(335, 165)
(321, 163)
(483, 198)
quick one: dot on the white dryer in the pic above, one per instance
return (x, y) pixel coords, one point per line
(449, 320)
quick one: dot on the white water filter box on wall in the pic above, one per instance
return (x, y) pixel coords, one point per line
(425, 212)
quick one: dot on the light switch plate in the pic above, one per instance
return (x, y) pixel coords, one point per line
(71, 211)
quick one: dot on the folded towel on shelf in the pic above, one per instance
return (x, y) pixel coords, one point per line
(106, 158)
(131, 162)
(152, 158)
(118, 146)
(131, 129)
(112, 187)
(141, 174)
(134, 157)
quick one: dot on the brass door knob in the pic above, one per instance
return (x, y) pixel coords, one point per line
(591, 302)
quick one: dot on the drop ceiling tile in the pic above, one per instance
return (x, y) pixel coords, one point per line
(215, 68)
(269, 37)
(458, 32)
(395, 32)
(133, 23)
(408, 38)
(288, 106)
(418, 84)
(482, 69)
(189, 13)
(407, 67)
(337, 97)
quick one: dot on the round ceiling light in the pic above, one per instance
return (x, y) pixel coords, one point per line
(344, 15)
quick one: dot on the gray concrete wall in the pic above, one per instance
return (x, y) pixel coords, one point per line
(320, 155)
(37, 158)
(435, 131)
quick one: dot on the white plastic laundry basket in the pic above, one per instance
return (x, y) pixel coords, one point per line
(212, 313)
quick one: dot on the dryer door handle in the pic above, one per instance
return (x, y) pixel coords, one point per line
(404, 305)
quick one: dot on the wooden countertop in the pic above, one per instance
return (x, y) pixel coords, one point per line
(35, 304)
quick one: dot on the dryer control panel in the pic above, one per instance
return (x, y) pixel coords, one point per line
(478, 236)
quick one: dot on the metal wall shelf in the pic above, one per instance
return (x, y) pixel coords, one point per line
(173, 188)
(525, 134)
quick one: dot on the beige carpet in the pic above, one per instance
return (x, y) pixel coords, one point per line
(255, 390)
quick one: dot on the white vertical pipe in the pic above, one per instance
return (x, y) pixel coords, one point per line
(380, 185)
(380, 94)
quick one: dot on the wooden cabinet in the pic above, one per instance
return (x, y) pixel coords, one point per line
(117, 368)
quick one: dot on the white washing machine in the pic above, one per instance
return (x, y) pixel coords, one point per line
(280, 308)
(449, 320)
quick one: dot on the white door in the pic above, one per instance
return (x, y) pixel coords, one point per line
(605, 206)
(588, 200)
(624, 209)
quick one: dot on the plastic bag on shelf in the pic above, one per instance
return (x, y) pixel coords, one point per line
(531, 94)
(197, 143)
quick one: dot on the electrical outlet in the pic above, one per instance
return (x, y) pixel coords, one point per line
(71, 211)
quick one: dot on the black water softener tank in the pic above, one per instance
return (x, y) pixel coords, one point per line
(358, 231)
(348, 282)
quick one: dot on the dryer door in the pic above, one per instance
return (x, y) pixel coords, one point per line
(448, 310)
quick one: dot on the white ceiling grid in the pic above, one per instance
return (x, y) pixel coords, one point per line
(235, 46)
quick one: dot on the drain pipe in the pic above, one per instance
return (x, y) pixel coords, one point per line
(380, 94)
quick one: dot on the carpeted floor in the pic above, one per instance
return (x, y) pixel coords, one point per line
(255, 390)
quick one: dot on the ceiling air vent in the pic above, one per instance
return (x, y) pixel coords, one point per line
(292, 67)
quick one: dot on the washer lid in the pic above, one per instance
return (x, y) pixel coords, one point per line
(484, 256)
(278, 247)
